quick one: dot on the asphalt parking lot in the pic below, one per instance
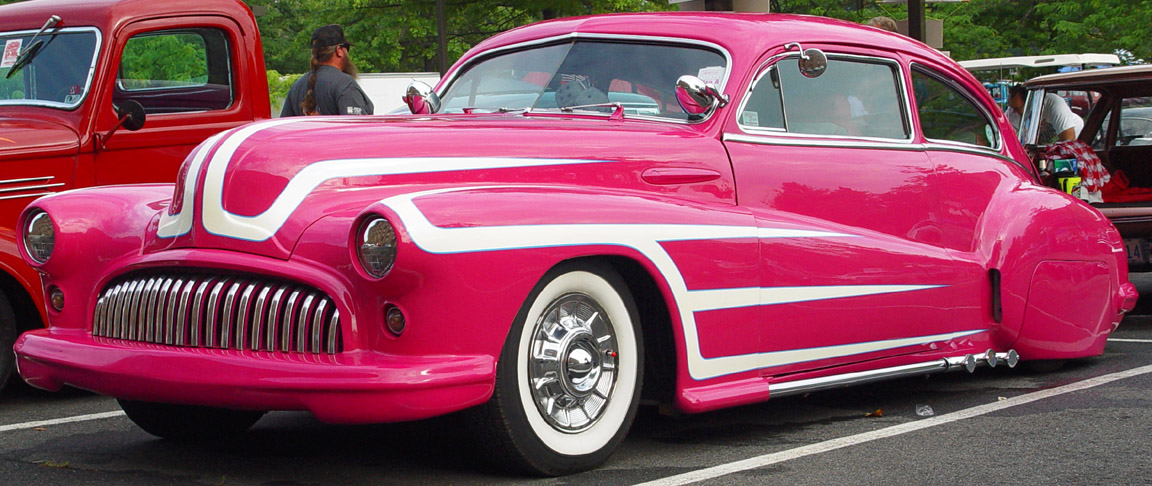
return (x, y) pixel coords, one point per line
(1089, 423)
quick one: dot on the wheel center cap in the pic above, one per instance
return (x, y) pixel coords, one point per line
(581, 366)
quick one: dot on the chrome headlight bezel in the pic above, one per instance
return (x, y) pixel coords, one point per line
(39, 234)
(375, 246)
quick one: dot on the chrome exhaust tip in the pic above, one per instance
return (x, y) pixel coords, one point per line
(1010, 358)
(991, 357)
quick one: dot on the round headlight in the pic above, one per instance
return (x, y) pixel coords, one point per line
(39, 236)
(376, 246)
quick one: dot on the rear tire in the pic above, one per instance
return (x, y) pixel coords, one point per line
(568, 380)
(188, 422)
(8, 334)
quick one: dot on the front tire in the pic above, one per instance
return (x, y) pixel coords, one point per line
(569, 375)
(8, 334)
(188, 422)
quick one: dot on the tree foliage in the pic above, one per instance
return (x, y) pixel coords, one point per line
(401, 35)
(999, 28)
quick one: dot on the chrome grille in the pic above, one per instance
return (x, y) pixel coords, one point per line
(219, 311)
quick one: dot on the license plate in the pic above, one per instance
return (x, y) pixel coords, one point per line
(1137, 250)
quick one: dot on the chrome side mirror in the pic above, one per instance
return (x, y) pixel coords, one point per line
(698, 98)
(421, 99)
(812, 62)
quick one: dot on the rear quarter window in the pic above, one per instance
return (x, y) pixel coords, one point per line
(947, 114)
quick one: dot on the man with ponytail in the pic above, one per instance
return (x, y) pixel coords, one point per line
(330, 86)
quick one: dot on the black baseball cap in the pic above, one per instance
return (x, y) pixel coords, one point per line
(329, 35)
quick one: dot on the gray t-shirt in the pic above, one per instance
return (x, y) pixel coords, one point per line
(336, 94)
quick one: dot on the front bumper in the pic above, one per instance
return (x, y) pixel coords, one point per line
(350, 387)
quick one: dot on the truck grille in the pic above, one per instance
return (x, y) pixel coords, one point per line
(213, 311)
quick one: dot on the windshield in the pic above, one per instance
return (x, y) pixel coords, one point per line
(58, 76)
(641, 77)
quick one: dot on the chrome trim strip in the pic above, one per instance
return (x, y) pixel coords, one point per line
(302, 323)
(29, 188)
(121, 331)
(274, 311)
(157, 323)
(142, 308)
(27, 179)
(110, 327)
(132, 318)
(213, 320)
(848, 379)
(182, 316)
(18, 196)
(318, 325)
(287, 321)
(228, 319)
(258, 317)
(243, 313)
(968, 150)
(100, 303)
(170, 315)
(799, 141)
(87, 83)
(333, 329)
(150, 309)
(197, 306)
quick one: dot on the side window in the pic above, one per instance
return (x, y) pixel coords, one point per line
(176, 71)
(764, 108)
(852, 98)
(1135, 122)
(946, 114)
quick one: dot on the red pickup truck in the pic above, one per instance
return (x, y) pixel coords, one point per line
(100, 92)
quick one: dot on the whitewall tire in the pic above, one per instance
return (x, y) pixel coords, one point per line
(568, 379)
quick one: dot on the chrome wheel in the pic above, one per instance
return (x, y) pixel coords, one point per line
(569, 375)
(572, 362)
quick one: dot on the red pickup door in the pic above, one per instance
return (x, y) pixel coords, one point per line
(70, 68)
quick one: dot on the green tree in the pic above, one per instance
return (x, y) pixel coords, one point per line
(400, 35)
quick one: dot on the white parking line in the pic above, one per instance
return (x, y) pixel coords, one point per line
(1118, 340)
(778, 457)
(65, 420)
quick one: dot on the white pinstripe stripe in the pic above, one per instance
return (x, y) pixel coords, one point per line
(646, 240)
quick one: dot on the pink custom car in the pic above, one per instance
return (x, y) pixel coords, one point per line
(702, 210)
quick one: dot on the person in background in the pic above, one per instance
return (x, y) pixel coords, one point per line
(885, 23)
(330, 87)
(1056, 118)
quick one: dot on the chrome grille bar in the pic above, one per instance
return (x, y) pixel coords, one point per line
(212, 311)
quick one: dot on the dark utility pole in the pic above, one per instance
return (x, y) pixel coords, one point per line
(916, 19)
(442, 38)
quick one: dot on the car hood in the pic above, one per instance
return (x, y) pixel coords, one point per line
(257, 188)
(28, 137)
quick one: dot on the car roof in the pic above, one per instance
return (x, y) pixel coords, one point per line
(743, 35)
(1094, 77)
(102, 13)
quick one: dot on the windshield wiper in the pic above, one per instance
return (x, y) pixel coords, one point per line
(34, 47)
(468, 110)
(617, 114)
